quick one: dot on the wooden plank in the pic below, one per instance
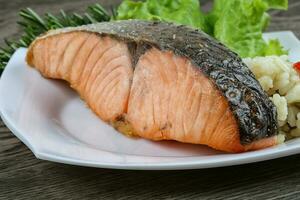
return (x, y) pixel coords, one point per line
(22, 176)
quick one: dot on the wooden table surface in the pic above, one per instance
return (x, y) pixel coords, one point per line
(22, 176)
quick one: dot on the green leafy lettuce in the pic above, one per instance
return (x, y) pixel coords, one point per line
(185, 12)
(238, 24)
(274, 48)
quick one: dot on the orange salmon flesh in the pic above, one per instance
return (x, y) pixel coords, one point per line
(162, 97)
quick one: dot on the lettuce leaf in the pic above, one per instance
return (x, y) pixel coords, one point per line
(274, 48)
(277, 4)
(185, 12)
(239, 25)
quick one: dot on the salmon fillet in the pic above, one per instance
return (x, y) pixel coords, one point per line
(144, 90)
(171, 100)
(98, 68)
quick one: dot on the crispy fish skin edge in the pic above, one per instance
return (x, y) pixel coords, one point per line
(255, 113)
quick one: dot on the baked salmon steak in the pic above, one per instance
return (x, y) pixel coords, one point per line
(161, 81)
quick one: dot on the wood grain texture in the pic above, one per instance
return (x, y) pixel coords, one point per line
(22, 176)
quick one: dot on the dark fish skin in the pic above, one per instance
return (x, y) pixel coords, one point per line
(255, 113)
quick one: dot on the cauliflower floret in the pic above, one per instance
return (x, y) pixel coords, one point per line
(266, 82)
(281, 105)
(293, 96)
(292, 114)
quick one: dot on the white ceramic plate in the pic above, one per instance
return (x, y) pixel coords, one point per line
(56, 125)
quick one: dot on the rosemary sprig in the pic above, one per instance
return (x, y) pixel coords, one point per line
(33, 25)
